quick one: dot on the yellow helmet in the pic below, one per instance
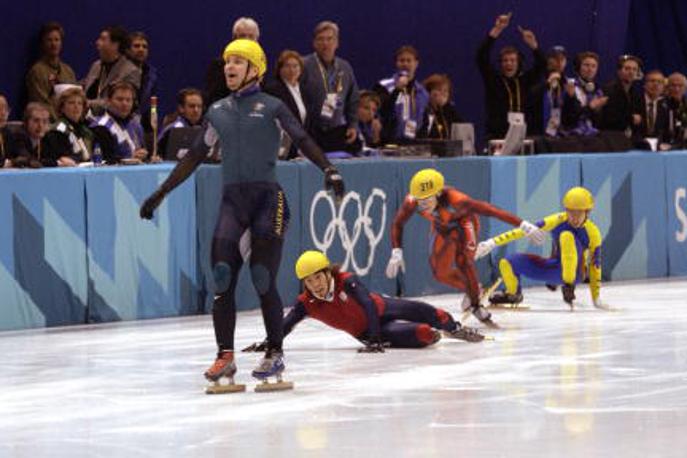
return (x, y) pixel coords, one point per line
(249, 50)
(310, 262)
(426, 183)
(578, 198)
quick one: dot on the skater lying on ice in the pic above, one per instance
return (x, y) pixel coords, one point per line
(455, 228)
(341, 301)
(576, 253)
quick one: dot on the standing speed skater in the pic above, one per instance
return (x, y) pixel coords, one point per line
(247, 125)
(455, 227)
(576, 253)
(340, 300)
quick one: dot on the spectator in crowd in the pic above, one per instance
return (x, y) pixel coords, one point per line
(4, 110)
(288, 87)
(369, 125)
(27, 145)
(583, 99)
(138, 51)
(623, 110)
(244, 27)
(189, 114)
(49, 70)
(547, 96)
(677, 105)
(403, 98)
(70, 140)
(4, 135)
(508, 89)
(330, 85)
(119, 129)
(440, 113)
(654, 108)
(111, 68)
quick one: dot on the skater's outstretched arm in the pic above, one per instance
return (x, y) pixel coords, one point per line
(547, 224)
(404, 213)
(182, 171)
(295, 316)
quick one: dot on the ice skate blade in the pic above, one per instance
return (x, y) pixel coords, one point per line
(265, 386)
(510, 307)
(218, 388)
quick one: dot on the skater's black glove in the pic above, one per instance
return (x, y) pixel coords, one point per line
(151, 203)
(257, 347)
(374, 345)
(568, 293)
(333, 182)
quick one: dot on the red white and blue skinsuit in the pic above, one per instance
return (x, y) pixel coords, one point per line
(368, 316)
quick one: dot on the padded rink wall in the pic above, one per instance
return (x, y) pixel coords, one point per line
(73, 250)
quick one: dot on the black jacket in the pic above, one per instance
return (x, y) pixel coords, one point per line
(621, 105)
(496, 89)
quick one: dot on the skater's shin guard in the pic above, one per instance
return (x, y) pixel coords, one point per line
(264, 266)
(508, 276)
(224, 320)
(569, 257)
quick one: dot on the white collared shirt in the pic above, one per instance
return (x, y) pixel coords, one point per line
(295, 91)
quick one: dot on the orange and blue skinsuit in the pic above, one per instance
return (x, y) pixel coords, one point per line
(576, 254)
(455, 228)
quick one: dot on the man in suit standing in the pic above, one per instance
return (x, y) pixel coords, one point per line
(654, 108)
(330, 85)
(112, 67)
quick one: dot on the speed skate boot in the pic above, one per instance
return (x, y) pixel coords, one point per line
(465, 333)
(223, 367)
(568, 291)
(271, 365)
(481, 313)
(504, 300)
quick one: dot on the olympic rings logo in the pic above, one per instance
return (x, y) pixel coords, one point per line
(361, 226)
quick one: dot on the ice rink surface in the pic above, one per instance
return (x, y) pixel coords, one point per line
(551, 384)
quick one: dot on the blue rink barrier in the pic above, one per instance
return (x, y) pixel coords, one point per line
(43, 269)
(630, 211)
(139, 268)
(676, 200)
(73, 249)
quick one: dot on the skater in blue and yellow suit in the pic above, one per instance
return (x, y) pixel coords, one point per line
(576, 253)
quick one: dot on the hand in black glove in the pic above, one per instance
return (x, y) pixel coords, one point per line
(151, 203)
(568, 293)
(372, 346)
(333, 182)
(257, 347)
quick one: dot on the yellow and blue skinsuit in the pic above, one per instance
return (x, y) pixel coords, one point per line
(576, 254)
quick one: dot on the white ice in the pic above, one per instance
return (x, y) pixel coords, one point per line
(551, 384)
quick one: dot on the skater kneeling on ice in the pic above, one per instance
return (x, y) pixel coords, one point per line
(576, 253)
(340, 300)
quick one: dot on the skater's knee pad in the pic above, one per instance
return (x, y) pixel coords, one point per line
(261, 278)
(508, 276)
(426, 335)
(569, 257)
(222, 275)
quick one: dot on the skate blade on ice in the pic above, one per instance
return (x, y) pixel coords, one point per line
(512, 307)
(219, 388)
(279, 385)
